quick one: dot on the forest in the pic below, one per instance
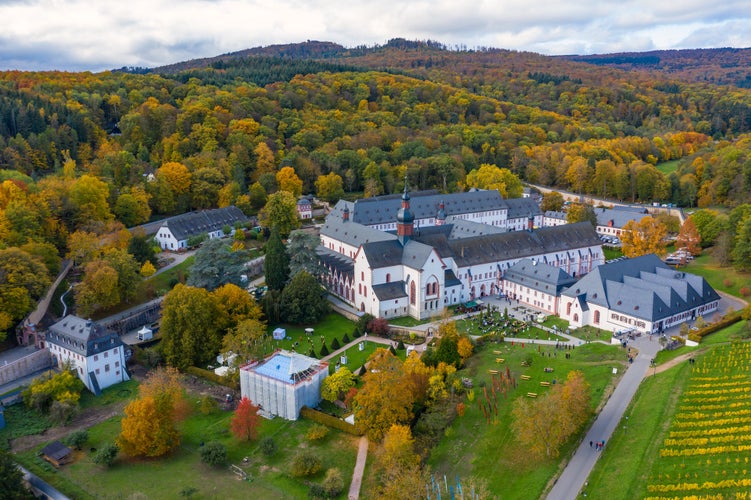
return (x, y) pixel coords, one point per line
(83, 156)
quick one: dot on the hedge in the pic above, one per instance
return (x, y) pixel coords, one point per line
(208, 375)
(725, 322)
(329, 420)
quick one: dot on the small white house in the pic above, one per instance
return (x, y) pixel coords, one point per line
(174, 232)
(304, 208)
(283, 383)
(96, 354)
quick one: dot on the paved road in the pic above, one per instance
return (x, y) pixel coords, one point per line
(570, 483)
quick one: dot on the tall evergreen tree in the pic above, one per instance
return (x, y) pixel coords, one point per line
(276, 264)
(11, 479)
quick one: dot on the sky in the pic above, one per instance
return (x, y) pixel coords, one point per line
(97, 35)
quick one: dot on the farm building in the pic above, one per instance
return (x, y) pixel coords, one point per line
(57, 453)
(283, 383)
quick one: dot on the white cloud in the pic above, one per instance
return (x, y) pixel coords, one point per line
(80, 34)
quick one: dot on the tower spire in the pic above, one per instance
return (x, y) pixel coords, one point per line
(404, 219)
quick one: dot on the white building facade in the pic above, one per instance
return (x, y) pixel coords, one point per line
(97, 355)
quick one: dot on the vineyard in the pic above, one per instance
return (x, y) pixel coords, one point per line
(705, 455)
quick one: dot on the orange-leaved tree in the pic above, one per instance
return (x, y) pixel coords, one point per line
(149, 428)
(245, 421)
(689, 237)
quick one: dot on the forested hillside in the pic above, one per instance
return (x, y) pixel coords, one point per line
(83, 155)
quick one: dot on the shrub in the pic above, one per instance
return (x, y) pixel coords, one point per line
(77, 439)
(62, 411)
(362, 324)
(305, 463)
(106, 455)
(379, 326)
(324, 350)
(317, 432)
(745, 291)
(726, 321)
(317, 492)
(727, 282)
(333, 484)
(335, 344)
(214, 454)
(460, 408)
(400, 346)
(208, 405)
(268, 446)
(346, 340)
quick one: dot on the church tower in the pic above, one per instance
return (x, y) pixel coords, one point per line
(440, 218)
(405, 227)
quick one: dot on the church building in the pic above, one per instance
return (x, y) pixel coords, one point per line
(442, 254)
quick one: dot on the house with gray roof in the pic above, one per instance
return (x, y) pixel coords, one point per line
(536, 284)
(173, 234)
(96, 354)
(610, 221)
(641, 294)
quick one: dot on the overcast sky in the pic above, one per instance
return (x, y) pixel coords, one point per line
(96, 35)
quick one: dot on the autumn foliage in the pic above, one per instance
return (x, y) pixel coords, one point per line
(544, 424)
(245, 421)
(149, 428)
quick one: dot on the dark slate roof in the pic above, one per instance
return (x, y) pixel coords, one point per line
(643, 287)
(195, 223)
(618, 217)
(450, 279)
(552, 214)
(56, 450)
(522, 207)
(423, 205)
(391, 253)
(539, 276)
(390, 291)
(352, 233)
(521, 244)
(337, 261)
(461, 228)
(81, 336)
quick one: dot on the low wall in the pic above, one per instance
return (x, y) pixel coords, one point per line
(27, 365)
(344, 312)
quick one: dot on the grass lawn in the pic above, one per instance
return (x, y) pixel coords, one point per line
(332, 326)
(488, 453)
(161, 282)
(183, 474)
(667, 167)
(408, 321)
(611, 252)
(724, 279)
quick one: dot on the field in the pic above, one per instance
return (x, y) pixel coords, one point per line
(488, 453)
(667, 167)
(686, 433)
(332, 326)
(183, 474)
(707, 448)
(722, 279)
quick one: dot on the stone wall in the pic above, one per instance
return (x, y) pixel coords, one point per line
(27, 365)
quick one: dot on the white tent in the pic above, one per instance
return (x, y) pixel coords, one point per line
(279, 333)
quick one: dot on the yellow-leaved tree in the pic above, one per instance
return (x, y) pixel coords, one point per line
(644, 237)
(545, 423)
(288, 181)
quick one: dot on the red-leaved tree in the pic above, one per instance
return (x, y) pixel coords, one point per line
(245, 422)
